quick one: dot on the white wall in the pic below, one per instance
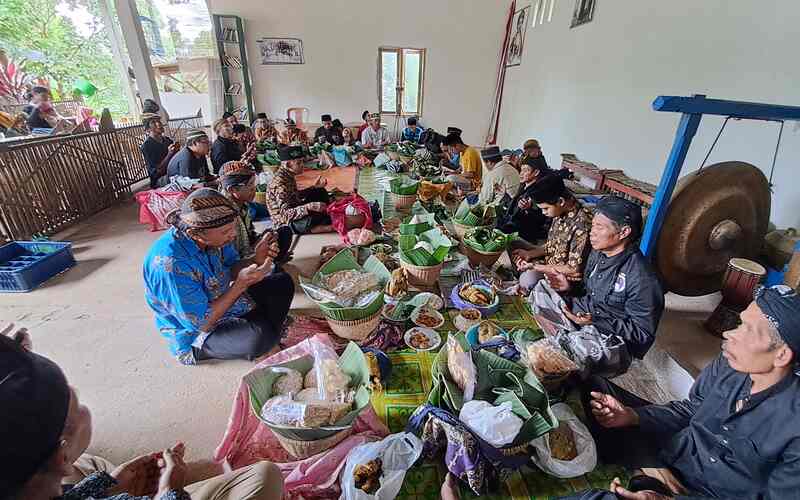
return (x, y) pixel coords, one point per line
(341, 40)
(589, 90)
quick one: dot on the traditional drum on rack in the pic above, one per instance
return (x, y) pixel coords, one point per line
(738, 285)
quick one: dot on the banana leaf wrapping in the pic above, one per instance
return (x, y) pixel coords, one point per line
(488, 240)
(352, 362)
(343, 261)
(475, 215)
(403, 185)
(498, 380)
(265, 145)
(269, 157)
(435, 247)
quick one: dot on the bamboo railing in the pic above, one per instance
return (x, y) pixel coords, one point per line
(49, 184)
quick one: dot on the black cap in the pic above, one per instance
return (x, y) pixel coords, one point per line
(227, 114)
(327, 118)
(549, 189)
(453, 139)
(239, 128)
(454, 130)
(412, 120)
(492, 153)
(261, 116)
(34, 397)
(287, 153)
(622, 212)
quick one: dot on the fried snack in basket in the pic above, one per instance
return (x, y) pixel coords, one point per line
(562, 443)
(547, 360)
(475, 295)
(367, 476)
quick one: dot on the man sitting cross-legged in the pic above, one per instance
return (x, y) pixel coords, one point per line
(735, 437)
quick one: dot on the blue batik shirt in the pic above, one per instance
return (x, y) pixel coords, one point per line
(455, 160)
(181, 281)
(412, 135)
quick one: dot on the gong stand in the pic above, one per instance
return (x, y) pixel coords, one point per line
(694, 227)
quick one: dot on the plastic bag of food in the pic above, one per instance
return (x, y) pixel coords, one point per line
(377, 470)
(548, 359)
(291, 382)
(497, 425)
(332, 383)
(568, 451)
(461, 368)
(282, 410)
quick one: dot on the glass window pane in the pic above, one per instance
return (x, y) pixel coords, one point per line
(412, 72)
(389, 82)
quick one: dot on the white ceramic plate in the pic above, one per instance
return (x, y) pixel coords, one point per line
(432, 335)
(429, 311)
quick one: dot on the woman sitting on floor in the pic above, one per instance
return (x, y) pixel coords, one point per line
(209, 302)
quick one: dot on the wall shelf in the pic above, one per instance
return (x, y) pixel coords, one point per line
(238, 73)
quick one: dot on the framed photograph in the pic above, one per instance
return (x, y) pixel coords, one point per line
(584, 11)
(519, 26)
(281, 50)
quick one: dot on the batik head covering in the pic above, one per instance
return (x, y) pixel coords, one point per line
(531, 143)
(235, 173)
(149, 118)
(623, 213)
(781, 306)
(34, 397)
(289, 123)
(492, 153)
(195, 135)
(205, 208)
(374, 116)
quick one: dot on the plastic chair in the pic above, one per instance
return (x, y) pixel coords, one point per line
(299, 115)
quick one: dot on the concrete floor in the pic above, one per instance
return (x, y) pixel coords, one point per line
(93, 321)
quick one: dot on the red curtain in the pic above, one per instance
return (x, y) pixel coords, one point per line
(494, 118)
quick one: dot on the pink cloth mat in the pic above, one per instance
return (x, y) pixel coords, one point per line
(247, 440)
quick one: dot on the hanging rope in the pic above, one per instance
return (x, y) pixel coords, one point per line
(775, 155)
(713, 144)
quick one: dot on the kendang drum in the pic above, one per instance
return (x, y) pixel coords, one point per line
(738, 285)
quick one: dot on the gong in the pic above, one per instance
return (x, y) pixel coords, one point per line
(716, 213)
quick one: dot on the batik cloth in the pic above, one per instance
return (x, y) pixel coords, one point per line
(568, 238)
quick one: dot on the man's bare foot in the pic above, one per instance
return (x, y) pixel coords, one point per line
(450, 488)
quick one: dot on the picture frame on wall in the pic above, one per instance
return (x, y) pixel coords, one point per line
(519, 25)
(584, 12)
(281, 51)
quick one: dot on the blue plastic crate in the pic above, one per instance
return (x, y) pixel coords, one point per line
(24, 265)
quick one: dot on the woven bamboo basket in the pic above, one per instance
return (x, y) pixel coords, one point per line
(261, 197)
(356, 330)
(304, 449)
(404, 201)
(477, 257)
(461, 229)
(422, 275)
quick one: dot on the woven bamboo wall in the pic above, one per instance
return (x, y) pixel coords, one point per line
(49, 184)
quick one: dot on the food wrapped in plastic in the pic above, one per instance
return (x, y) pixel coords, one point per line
(331, 380)
(291, 382)
(361, 236)
(282, 410)
(568, 451)
(547, 359)
(462, 369)
(348, 285)
(310, 380)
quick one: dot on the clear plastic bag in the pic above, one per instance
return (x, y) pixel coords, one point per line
(461, 368)
(397, 452)
(583, 463)
(547, 358)
(332, 383)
